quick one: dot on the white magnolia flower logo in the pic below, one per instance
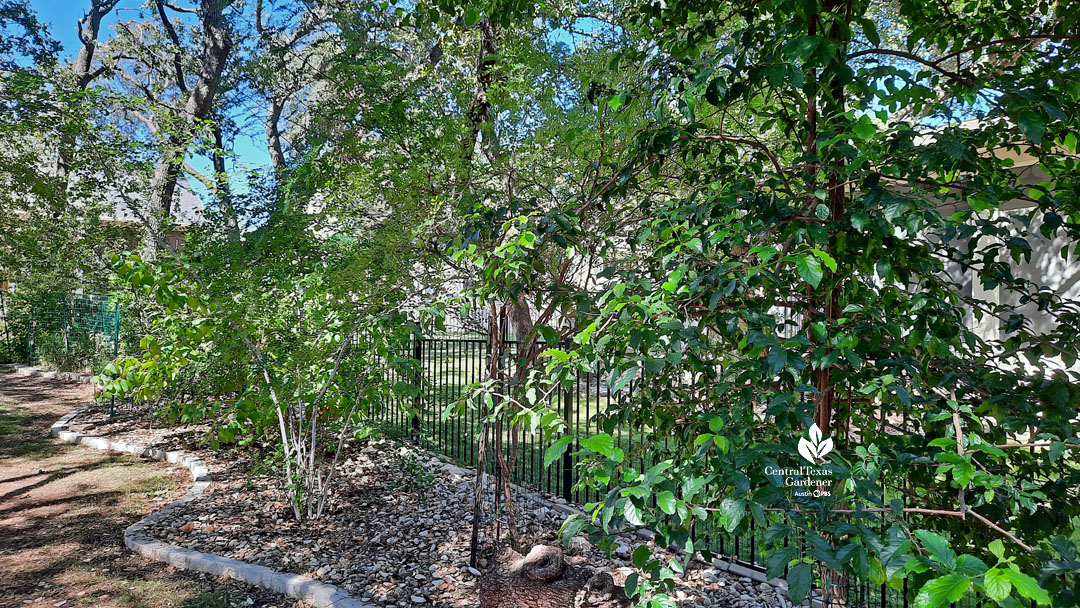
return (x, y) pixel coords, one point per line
(815, 448)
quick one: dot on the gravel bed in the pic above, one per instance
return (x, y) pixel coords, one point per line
(135, 424)
(395, 533)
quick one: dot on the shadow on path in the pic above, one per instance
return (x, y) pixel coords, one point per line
(63, 510)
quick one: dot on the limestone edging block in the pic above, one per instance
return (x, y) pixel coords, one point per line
(312, 593)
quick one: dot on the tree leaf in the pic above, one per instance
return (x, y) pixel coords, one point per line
(556, 450)
(1056, 450)
(556, 354)
(826, 259)
(798, 582)
(624, 379)
(472, 15)
(573, 524)
(605, 445)
(801, 46)
(942, 591)
(1027, 586)
(809, 269)
(864, 129)
(666, 501)
(970, 565)
(601, 443)
(631, 585)
(654, 471)
(996, 584)
(716, 424)
(1032, 125)
(778, 560)
(870, 31)
(997, 548)
(963, 471)
(937, 546)
(630, 513)
(641, 555)
(733, 510)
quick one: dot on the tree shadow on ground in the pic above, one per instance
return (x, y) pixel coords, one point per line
(63, 510)
(15, 442)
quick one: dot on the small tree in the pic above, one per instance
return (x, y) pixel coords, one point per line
(832, 175)
(300, 334)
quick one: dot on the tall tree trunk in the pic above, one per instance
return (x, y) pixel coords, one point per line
(200, 101)
(89, 26)
(480, 112)
(834, 593)
(521, 317)
(480, 123)
(273, 135)
(222, 190)
(221, 176)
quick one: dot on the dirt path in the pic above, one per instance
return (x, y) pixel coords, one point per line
(63, 510)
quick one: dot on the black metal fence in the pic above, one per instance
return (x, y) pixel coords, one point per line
(448, 366)
(452, 360)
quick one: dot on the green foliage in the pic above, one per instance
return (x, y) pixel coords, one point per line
(784, 230)
(415, 474)
(53, 238)
(290, 354)
(294, 331)
(747, 217)
(24, 37)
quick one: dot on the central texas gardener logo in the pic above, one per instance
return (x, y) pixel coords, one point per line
(814, 448)
(808, 481)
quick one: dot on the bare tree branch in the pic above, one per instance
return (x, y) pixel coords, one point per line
(203, 179)
(933, 65)
(178, 51)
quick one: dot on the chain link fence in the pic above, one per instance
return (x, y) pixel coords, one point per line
(63, 331)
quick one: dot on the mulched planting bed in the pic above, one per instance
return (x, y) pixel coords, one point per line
(136, 424)
(395, 533)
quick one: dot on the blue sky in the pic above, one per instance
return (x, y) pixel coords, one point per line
(248, 148)
(63, 16)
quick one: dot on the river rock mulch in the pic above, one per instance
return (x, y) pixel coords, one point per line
(395, 533)
(138, 425)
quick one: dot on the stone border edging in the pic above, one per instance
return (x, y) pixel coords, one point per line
(24, 369)
(312, 593)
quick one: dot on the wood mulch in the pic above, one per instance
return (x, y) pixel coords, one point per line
(396, 532)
